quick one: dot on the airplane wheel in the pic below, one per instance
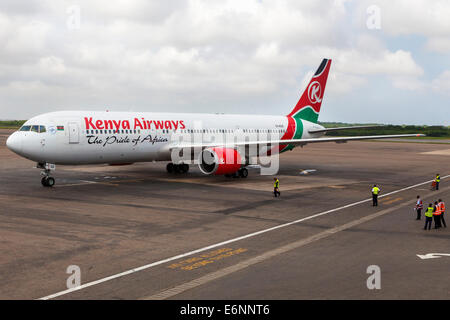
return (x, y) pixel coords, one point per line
(176, 168)
(170, 167)
(243, 173)
(50, 182)
(185, 168)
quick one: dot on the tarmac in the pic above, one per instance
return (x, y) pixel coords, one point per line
(137, 232)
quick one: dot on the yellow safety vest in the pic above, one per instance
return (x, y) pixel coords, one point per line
(429, 212)
(375, 190)
(276, 184)
(438, 178)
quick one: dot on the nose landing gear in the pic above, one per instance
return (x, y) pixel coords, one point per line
(47, 180)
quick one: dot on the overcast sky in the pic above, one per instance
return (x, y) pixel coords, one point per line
(391, 59)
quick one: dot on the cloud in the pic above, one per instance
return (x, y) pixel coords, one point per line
(442, 83)
(205, 56)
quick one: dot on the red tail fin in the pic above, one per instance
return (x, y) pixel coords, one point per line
(308, 107)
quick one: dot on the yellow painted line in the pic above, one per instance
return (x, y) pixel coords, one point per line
(194, 259)
(206, 258)
(214, 259)
(393, 200)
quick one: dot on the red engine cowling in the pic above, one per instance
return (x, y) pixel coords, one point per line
(219, 161)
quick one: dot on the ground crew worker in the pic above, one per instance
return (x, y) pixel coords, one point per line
(441, 204)
(375, 192)
(428, 217)
(438, 179)
(437, 215)
(418, 207)
(276, 187)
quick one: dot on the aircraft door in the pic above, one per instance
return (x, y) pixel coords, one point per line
(74, 132)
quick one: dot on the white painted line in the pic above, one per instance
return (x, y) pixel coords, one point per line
(433, 255)
(82, 183)
(147, 266)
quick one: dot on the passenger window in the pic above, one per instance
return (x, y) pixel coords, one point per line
(25, 128)
(35, 128)
(42, 129)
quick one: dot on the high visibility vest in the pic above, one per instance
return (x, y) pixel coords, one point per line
(429, 212)
(276, 184)
(442, 206)
(437, 212)
(438, 178)
(375, 190)
(420, 205)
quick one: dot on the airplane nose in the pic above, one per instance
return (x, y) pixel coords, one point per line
(14, 143)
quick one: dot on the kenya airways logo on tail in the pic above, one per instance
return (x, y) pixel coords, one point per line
(315, 92)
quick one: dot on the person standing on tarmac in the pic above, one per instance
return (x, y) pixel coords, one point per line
(418, 207)
(375, 192)
(441, 205)
(428, 217)
(437, 215)
(276, 187)
(437, 180)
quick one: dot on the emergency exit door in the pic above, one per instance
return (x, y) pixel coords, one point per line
(74, 133)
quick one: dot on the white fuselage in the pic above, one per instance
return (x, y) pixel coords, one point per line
(89, 137)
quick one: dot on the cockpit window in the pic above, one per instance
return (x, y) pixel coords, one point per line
(33, 128)
(25, 128)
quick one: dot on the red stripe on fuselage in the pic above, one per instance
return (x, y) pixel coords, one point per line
(289, 134)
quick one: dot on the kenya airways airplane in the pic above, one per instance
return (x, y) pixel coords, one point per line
(221, 144)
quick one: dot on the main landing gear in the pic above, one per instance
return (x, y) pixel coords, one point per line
(243, 173)
(47, 168)
(177, 168)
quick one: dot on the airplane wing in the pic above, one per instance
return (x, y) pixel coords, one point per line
(295, 142)
(344, 128)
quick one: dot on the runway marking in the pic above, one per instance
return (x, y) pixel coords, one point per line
(393, 200)
(433, 255)
(207, 258)
(168, 293)
(114, 183)
(223, 243)
(337, 187)
(213, 259)
(445, 152)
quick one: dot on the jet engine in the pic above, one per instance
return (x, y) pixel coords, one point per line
(219, 161)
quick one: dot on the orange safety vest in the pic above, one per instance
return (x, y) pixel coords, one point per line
(438, 210)
(442, 206)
